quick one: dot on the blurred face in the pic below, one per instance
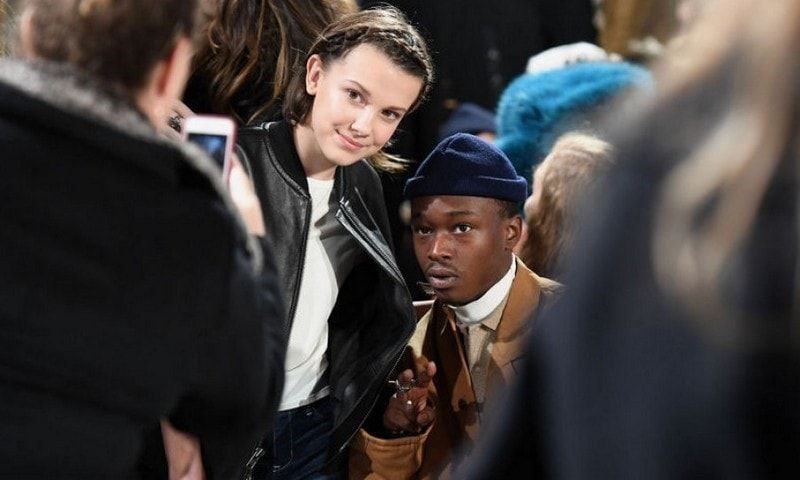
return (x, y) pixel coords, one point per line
(463, 244)
(532, 202)
(359, 99)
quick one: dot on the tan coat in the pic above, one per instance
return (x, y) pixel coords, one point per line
(457, 423)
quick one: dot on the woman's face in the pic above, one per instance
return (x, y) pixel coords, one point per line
(359, 99)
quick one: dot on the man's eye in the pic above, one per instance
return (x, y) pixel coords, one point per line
(422, 230)
(463, 228)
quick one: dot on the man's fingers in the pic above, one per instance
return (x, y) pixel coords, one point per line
(406, 376)
(181, 109)
(425, 417)
(395, 419)
(424, 378)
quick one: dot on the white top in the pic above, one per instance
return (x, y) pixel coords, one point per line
(330, 255)
(479, 310)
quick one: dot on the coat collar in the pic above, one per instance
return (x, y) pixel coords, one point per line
(523, 301)
(515, 321)
(71, 90)
(281, 138)
(67, 89)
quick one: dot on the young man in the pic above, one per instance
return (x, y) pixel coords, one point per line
(465, 199)
(130, 291)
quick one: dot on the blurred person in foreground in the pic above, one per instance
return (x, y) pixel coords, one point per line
(560, 184)
(465, 201)
(132, 293)
(674, 352)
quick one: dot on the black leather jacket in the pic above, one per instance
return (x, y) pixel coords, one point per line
(373, 317)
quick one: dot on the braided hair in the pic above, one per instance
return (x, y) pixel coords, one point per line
(384, 28)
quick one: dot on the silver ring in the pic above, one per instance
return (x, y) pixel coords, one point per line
(174, 121)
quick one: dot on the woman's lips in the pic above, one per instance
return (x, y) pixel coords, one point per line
(349, 142)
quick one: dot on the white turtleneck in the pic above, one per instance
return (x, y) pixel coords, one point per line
(478, 310)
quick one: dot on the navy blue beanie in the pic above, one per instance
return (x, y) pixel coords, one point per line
(463, 164)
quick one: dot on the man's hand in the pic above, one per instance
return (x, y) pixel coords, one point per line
(172, 125)
(183, 454)
(411, 411)
(244, 196)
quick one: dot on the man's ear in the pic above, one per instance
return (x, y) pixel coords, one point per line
(314, 71)
(513, 230)
(166, 82)
(172, 73)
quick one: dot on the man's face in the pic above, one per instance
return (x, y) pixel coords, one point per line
(463, 244)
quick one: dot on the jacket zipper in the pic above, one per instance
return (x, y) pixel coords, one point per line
(353, 226)
(355, 229)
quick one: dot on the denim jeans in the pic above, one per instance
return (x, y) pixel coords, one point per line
(298, 446)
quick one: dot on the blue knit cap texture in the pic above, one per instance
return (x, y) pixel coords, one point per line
(535, 109)
(466, 165)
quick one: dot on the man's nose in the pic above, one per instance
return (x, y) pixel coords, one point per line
(440, 247)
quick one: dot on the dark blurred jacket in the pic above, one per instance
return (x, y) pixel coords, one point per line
(624, 381)
(130, 291)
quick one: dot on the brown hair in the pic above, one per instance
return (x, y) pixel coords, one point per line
(250, 49)
(571, 168)
(116, 41)
(384, 28)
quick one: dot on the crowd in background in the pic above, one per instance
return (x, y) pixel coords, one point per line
(550, 239)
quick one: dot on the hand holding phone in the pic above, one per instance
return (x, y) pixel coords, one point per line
(215, 135)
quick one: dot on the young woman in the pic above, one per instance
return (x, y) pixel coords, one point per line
(349, 313)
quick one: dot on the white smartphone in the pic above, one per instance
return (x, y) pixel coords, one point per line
(216, 135)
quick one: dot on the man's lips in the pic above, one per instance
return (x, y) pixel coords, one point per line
(349, 142)
(441, 278)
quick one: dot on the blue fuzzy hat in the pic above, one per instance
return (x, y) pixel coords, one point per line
(535, 109)
(463, 164)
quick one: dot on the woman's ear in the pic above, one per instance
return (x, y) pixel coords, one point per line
(314, 71)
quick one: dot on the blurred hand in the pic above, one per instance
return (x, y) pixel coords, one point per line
(411, 411)
(183, 454)
(177, 112)
(244, 196)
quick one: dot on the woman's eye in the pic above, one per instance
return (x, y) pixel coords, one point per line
(391, 115)
(353, 95)
(463, 228)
